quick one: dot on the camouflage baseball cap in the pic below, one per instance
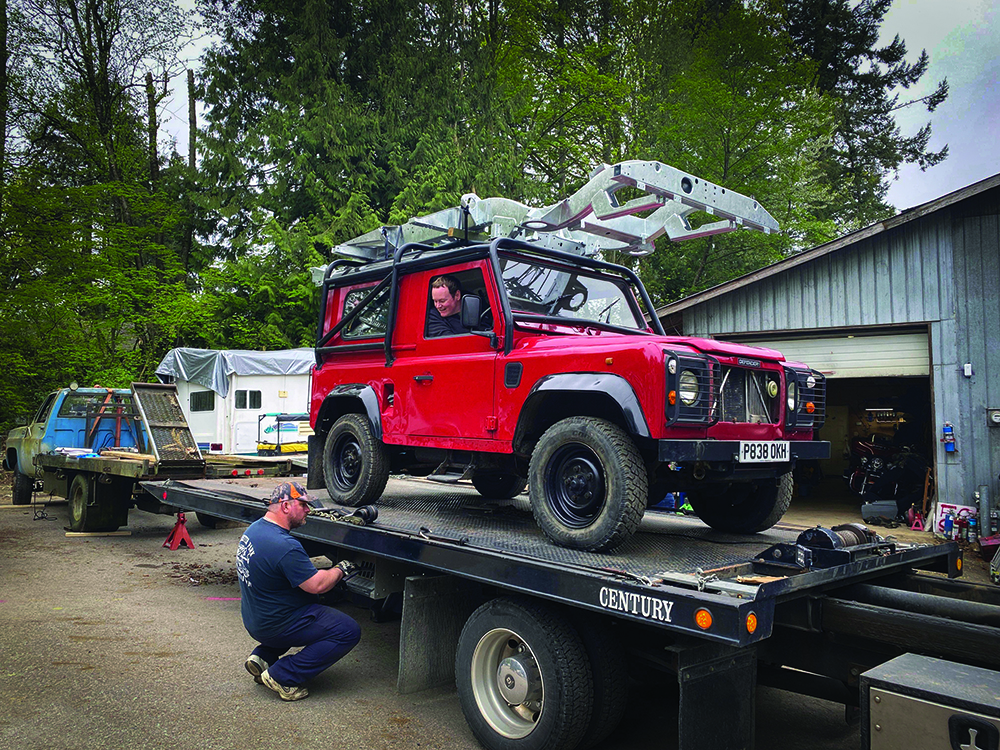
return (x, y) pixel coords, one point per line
(293, 491)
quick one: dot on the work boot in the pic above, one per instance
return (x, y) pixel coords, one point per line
(256, 666)
(293, 693)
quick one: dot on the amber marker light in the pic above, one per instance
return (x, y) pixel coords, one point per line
(672, 397)
(751, 623)
(958, 564)
(810, 407)
(703, 619)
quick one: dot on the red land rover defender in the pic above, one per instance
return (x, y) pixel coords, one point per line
(558, 382)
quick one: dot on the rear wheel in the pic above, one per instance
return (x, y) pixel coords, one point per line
(746, 508)
(523, 677)
(355, 462)
(22, 489)
(90, 508)
(588, 484)
(495, 484)
(209, 522)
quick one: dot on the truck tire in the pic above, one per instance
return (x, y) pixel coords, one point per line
(744, 509)
(90, 509)
(209, 522)
(355, 462)
(610, 673)
(495, 484)
(587, 483)
(22, 488)
(523, 677)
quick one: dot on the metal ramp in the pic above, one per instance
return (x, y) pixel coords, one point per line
(167, 431)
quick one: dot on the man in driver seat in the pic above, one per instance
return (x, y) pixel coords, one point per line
(444, 317)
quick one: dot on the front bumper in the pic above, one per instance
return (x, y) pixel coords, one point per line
(727, 451)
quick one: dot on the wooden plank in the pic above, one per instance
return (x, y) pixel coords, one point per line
(98, 533)
(108, 452)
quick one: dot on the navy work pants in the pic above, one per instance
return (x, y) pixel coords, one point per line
(325, 633)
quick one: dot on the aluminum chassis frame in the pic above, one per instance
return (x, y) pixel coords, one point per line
(589, 221)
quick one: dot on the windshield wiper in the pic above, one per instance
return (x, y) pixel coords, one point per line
(608, 311)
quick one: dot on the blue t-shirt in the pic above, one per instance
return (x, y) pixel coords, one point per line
(271, 564)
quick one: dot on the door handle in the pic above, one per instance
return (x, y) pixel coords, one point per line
(423, 378)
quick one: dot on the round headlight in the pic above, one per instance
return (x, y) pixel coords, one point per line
(687, 388)
(672, 366)
(791, 395)
(811, 381)
(772, 388)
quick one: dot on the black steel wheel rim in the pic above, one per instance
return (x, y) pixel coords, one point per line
(347, 461)
(575, 485)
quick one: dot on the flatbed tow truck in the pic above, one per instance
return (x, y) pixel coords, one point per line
(810, 611)
(541, 607)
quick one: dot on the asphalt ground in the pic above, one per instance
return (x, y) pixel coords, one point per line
(116, 641)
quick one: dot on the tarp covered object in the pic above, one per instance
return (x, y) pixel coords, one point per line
(211, 368)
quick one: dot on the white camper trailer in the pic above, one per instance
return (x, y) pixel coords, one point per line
(232, 398)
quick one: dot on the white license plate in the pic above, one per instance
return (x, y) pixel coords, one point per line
(763, 451)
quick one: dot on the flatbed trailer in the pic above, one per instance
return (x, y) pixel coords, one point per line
(808, 610)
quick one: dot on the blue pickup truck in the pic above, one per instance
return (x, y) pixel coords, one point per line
(93, 445)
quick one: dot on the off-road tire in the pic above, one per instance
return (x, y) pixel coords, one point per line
(90, 508)
(355, 462)
(494, 484)
(22, 488)
(744, 509)
(587, 483)
(540, 637)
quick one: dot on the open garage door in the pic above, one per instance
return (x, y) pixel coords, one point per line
(849, 355)
(878, 388)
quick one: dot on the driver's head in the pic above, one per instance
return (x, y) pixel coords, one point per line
(446, 294)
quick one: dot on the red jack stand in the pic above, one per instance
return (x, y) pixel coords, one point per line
(179, 534)
(918, 522)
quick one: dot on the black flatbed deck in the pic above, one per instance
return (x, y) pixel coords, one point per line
(672, 567)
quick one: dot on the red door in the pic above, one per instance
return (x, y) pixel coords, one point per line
(445, 385)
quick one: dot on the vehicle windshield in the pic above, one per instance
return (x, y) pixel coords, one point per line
(539, 289)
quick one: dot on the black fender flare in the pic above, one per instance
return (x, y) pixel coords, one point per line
(357, 392)
(607, 384)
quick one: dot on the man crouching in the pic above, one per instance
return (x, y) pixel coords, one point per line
(278, 584)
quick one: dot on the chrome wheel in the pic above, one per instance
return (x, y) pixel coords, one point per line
(507, 683)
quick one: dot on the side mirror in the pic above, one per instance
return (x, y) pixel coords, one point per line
(471, 309)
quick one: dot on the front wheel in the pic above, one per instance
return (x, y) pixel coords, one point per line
(355, 462)
(523, 677)
(744, 509)
(22, 489)
(587, 483)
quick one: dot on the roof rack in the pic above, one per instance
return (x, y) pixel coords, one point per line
(588, 222)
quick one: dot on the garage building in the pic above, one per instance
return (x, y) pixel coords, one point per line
(903, 317)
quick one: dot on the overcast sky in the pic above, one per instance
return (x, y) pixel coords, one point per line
(962, 38)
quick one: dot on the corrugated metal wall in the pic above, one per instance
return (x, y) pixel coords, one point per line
(974, 337)
(900, 276)
(943, 270)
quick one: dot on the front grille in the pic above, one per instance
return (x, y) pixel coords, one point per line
(809, 410)
(745, 396)
(697, 376)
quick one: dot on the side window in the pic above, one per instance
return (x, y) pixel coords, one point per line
(371, 320)
(203, 401)
(247, 399)
(46, 407)
(444, 309)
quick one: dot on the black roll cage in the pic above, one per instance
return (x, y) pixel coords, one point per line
(458, 251)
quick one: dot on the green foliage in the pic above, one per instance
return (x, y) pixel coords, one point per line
(325, 119)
